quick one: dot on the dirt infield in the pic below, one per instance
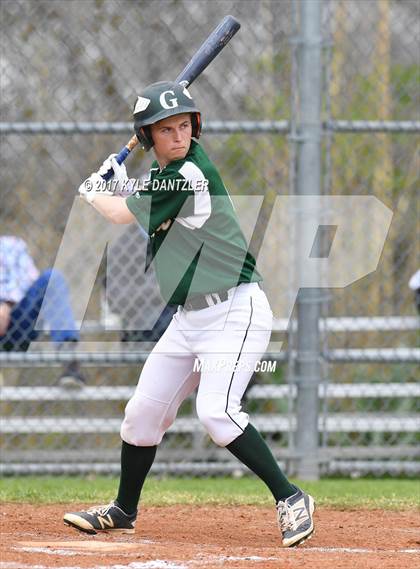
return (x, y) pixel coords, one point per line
(184, 537)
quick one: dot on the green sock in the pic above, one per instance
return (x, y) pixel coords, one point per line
(135, 465)
(251, 449)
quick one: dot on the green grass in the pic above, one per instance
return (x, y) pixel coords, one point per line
(392, 494)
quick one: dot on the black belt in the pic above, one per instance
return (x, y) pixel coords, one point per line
(205, 300)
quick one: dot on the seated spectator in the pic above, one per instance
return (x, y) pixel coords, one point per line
(22, 292)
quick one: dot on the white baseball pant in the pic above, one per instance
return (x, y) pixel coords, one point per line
(227, 340)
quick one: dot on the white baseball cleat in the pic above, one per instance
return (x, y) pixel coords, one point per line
(295, 518)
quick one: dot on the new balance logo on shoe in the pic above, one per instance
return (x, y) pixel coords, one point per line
(300, 511)
(105, 522)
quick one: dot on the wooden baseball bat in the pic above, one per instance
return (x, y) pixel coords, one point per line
(209, 49)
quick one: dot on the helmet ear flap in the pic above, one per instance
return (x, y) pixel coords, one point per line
(196, 125)
(144, 135)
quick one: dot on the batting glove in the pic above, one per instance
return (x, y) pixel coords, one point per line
(121, 185)
(93, 186)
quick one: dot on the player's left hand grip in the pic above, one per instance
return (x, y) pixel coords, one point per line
(120, 159)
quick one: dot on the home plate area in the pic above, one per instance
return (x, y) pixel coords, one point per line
(188, 537)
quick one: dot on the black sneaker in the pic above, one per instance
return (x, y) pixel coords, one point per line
(295, 517)
(72, 377)
(102, 518)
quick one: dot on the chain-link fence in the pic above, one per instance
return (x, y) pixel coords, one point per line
(310, 97)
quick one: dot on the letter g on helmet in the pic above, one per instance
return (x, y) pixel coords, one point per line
(159, 101)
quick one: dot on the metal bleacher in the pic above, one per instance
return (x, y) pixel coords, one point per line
(341, 459)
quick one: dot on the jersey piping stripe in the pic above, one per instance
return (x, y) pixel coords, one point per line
(233, 373)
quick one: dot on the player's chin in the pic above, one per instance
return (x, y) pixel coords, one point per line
(179, 153)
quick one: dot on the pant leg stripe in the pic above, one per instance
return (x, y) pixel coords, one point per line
(233, 373)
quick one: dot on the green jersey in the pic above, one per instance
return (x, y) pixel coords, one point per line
(204, 250)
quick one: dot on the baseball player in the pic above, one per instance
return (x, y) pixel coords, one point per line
(223, 319)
